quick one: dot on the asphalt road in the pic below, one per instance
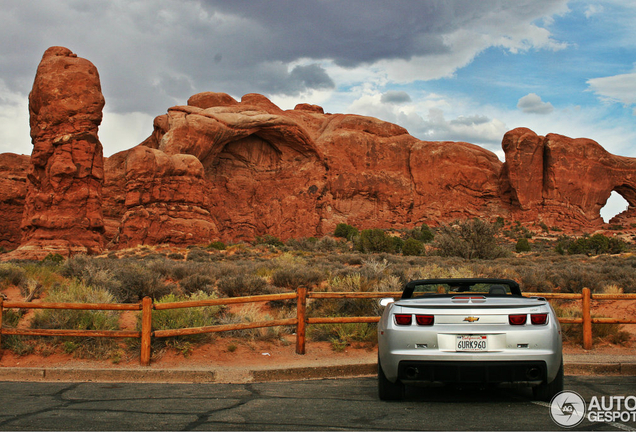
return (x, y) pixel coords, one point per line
(329, 404)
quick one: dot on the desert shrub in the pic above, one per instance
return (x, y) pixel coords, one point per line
(269, 240)
(198, 255)
(328, 244)
(251, 313)
(374, 240)
(294, 276)
(412, 247)
(53, 259)
(169, 319)
(77, 292)
(470, 239)
(345, 231)
(197, 282)
(573, 277)
(523, 245)
(181, 270)
(343, 335)
(423, 234)
(534, 279)
(218, 245)
(175, 256)
(240, 285)
(303, 244)
(12, 274)
(136, 282)
(14, 343)
(590, 245)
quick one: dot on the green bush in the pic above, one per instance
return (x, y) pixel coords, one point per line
(270, 240)
(218, 245)
(595, 245)
(345, 231)
(374, 240)
(523, 245)
(412, 247)
(424, 234)
(470, 239)
(53, 259)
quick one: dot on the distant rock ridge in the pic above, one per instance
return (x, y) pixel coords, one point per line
(222, 169)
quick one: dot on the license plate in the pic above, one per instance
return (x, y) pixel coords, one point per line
(471, 343)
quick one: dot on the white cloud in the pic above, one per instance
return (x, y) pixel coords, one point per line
(532, 104)
(617, 88)
(593, 9)
(123, 131)
(14, 122)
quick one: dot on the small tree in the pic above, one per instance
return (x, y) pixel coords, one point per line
(469, 239)
(523, 245)
(374, 240)
(346, 231)
(412, 247)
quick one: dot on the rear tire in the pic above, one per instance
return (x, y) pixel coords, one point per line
(388, 390)
(546, 391)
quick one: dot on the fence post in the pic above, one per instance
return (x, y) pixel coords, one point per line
(146, 330)
(587, 319)
(301, 309)
(1, 311)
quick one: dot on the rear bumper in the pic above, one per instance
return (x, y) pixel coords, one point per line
(472, 372)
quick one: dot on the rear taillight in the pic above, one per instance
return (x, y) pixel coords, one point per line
(539, 319)
(519, 319)
(403, 319)
(425, 319)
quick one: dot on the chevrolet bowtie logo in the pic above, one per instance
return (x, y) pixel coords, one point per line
(471, 319)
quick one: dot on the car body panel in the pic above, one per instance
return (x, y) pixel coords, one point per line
(470, 321)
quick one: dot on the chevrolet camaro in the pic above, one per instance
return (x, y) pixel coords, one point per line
(474, 331)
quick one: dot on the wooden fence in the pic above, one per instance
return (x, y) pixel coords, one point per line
(301, 321)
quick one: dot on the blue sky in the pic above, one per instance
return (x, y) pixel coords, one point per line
(456, 70)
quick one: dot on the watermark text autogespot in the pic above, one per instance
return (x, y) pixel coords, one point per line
(609, 409)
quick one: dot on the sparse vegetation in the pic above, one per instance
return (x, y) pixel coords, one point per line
(359, 261)
(470, 239)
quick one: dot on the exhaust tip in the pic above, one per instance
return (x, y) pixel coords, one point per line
(533, 373)
(411, 372)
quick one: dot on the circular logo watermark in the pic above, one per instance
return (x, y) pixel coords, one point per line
(567, 409)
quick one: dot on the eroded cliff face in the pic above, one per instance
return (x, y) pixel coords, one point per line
(13, 187)
(219, 168)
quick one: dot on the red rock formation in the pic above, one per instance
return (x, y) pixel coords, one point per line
(165, 200)
(300, 172)
(63, 209)
(13, 172)
(565, 182)
(223, 169)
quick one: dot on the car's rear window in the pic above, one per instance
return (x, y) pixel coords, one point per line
(478, 288)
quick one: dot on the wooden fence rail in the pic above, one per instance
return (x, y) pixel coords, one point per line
(302, 295)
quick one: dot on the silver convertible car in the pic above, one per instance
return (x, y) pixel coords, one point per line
(468, 331)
